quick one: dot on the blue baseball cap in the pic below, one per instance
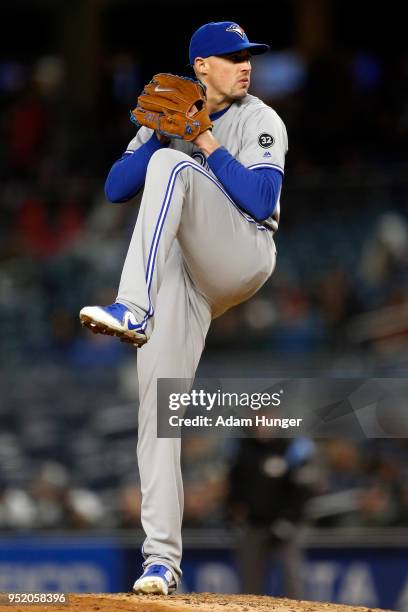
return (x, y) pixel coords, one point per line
(219, 38)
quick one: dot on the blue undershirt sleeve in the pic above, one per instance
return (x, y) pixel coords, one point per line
(255, 191)
(127, 175)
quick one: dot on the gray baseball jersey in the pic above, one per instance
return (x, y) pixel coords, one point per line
(193, 254)
(250, 130)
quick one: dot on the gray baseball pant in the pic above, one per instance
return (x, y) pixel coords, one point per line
(193, 254)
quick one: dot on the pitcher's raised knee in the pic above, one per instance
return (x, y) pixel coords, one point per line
(165, 160)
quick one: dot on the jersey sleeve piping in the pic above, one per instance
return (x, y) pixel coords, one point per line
(273, 166)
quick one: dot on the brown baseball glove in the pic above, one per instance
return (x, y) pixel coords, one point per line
(174, 106)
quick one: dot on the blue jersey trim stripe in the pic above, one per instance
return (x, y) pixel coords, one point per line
(160, 224)
(273, 166)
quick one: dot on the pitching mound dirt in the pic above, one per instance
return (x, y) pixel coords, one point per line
(193, 602)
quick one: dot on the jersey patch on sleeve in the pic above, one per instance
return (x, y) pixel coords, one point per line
(265, 140)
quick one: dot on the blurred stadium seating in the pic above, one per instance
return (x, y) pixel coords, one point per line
(336, 305)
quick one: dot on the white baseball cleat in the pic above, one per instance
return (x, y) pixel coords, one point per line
(156, 580)
(114, 320)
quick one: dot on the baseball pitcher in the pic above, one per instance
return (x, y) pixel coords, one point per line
(210, 160)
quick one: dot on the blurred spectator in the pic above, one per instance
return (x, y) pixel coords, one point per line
(383, 498)
(84, 509)
(204, 473)
(384, 259)
(129, 506)
(344, 478)
(49, 490)
(17, 510)
(27, 131)
(270, 483)
(47, 228)
(59, 505)
(278, 74)
(126, 78)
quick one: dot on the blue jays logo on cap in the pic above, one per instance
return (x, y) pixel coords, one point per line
(237, 29)
(220, 38)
